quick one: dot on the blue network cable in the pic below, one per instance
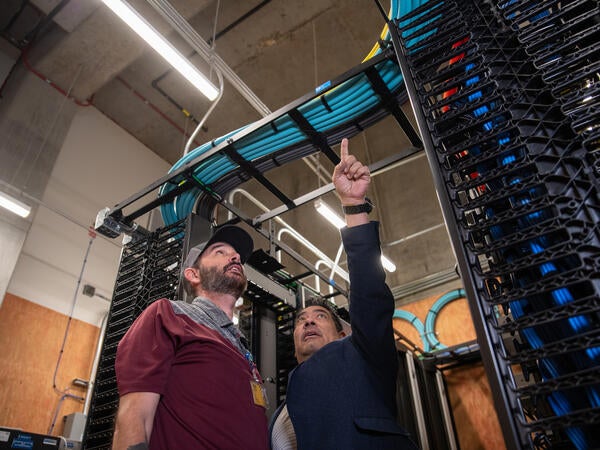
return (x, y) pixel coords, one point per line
(346, 102)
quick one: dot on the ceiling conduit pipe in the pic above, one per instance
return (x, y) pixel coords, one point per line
(337, 261)
(329, 265)
(286, 229)
(185, 30)
(210, 110)
(301, 239)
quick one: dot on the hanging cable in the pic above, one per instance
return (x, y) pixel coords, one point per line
(210, 110)
(65, 392)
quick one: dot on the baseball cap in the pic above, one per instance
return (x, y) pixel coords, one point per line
(230, 234)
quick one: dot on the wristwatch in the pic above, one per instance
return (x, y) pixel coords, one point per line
(366, 207)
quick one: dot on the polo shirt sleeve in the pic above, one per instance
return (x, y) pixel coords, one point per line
(146, 352)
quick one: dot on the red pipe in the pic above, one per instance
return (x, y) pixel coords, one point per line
(50, 82)
(90, 101)
(155, 108)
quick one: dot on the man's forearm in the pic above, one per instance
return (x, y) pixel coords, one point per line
(354, 220)
(129, 437)
(135, 419)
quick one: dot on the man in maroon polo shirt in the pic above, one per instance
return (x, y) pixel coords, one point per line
(186, 378)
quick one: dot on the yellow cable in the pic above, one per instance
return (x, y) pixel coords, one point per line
(382, 37)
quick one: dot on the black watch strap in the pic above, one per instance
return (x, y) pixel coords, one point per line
(366, 207)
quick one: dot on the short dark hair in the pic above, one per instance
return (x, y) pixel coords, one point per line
(329, 306)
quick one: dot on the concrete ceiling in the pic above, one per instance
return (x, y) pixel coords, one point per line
(281, 49)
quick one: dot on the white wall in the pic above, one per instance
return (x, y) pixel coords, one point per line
(12, 237)
(99, 165)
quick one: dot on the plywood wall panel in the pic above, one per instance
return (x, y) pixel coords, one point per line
(30, 341)
(453, 323)
(475, 418)
(473, 409)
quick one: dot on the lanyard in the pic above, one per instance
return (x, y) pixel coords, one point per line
(253, 368)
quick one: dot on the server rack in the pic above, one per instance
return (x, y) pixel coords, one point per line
(149, 270)
(506, 99)
(422, 401)
(271, 296)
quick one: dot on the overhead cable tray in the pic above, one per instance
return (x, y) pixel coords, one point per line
(338, 108)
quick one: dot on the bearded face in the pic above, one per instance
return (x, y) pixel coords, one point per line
(229, 279)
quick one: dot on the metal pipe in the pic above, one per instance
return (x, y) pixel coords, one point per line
(185, 30)
(317, 279)
(337, 260)
(414, 235)
(291, 231)
(98, 353)
(300, 259)
(210, 110)
(301, 239)
(330, 266)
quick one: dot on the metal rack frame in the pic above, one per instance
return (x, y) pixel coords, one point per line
(114, 221)
(471, 82)
(118, 221)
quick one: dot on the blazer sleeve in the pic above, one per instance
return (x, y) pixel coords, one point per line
(371, 301)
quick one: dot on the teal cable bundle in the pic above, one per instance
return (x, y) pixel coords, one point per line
(433, 313)
(415, 322)
(346, 102)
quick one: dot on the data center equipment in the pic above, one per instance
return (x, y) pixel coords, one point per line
(506, 98)
(11, 438)
(148, 271)
(422, 400)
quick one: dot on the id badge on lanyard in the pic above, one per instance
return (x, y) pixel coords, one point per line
(257, 387)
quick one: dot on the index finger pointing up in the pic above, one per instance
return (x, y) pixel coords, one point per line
(344, 149)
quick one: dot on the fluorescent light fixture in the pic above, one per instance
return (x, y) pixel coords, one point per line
(338, 222)
(14, 205)
(329, 214)
(138, 24)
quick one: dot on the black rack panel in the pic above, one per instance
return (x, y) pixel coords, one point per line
(284, 338)
(149, 270)
(506, 98)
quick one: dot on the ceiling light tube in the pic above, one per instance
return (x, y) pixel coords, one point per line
(138, 24)
(14, 205)
(329, 214)
(337, 222)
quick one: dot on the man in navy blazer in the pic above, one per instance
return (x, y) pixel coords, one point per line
(342, 393)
